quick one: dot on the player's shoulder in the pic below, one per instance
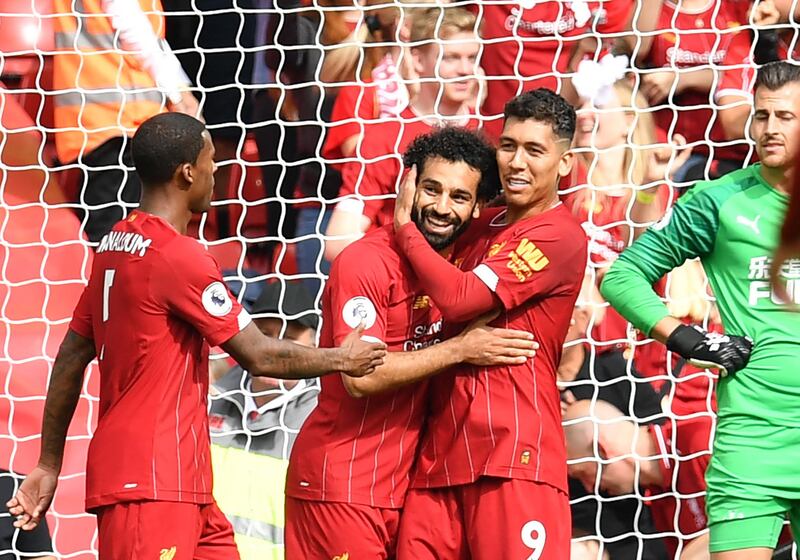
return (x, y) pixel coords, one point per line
(375, 251)
(718, 191)
(557, 219)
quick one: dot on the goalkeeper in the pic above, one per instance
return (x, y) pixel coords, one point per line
(732, 225)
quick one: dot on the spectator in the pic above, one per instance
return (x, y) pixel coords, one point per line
(254, 422)
(677, 75)
(16, 543)
(295, 140)
(621, 176)
(734, 92)
(446, 95)
(226, 37)
(610, 377)
(530, 44)
(384, 87)
(608, 452)
(112, 70)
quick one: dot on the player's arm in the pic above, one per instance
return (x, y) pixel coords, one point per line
(644, 20)
(687, 231)
(460, 295)
(478, 344)
(36, 493)
(272, 357)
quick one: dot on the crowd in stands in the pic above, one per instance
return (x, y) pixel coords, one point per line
(325, 96)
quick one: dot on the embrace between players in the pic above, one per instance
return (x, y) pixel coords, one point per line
(454, 450)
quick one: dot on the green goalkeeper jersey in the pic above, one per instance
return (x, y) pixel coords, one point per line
(732, 224)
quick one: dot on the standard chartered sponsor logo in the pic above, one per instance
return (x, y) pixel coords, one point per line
(425, 331)
(759, 280)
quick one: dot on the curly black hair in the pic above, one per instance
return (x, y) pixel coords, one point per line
(456, 144)
(545, 106)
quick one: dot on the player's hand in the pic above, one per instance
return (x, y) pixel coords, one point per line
(482, 345)
(656, 86)
(33, 498)
(405, 199)
(360, 357)
(727, 354)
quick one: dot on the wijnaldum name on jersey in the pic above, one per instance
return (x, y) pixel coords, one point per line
(124, 241)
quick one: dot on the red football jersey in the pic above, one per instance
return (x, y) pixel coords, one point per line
(505, 421)
(354, 108)
(376, 177)
(702, 38)
(153, 300)
(529, 44)
(684, 449)
(361, 451)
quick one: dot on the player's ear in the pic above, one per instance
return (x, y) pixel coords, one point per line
(184, 175)
(476, 211)
(565, 163)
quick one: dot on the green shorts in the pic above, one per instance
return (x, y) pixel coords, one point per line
(753, 484)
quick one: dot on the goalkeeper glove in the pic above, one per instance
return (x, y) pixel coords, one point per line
(728, 354)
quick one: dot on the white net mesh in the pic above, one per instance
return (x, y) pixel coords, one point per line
(270, 109)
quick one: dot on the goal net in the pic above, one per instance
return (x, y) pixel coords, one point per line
(266, 74)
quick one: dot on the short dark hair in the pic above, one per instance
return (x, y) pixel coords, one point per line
(544, 106)
(775, 75)
(164, 142)
(457, 144)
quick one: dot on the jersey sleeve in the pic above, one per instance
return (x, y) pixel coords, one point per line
(189, 283)
(358, 287)
(532, 263)
(82, 316)
(686, 231)
(738, 73)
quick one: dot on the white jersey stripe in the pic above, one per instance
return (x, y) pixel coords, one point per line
(353, 455)
(539, 416)
(178, 422)
(400, 455)
(489, 406)
(378, 451)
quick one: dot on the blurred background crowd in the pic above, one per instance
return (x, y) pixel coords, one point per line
(310, 106)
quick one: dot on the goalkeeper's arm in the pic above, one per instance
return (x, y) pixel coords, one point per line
(687, 231)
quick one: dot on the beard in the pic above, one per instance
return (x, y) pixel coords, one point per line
(436, 240)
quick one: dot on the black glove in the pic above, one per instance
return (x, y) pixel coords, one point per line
(728, 354)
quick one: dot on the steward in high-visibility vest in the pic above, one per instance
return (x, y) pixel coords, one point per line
(101, 91)
(112, 70)
(250, 454)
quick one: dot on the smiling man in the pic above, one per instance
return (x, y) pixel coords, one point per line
(349, 469)
(732, 224)
(491, 480)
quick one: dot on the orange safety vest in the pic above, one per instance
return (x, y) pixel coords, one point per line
(100, 92)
